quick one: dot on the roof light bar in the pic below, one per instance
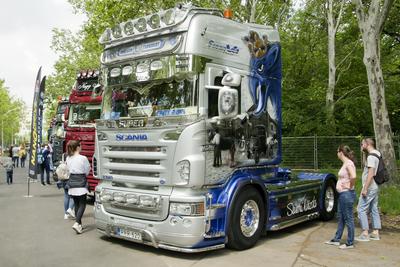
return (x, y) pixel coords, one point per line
(162, 19)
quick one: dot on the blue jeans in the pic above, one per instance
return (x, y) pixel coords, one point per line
(68, 201)
(345, 216)
(369, 204)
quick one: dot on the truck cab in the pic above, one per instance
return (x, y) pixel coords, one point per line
(84, 108)
(189, 141)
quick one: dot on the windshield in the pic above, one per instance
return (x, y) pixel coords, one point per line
(81, 114)
(152, 99)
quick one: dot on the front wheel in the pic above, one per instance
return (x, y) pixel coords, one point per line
(329, 200)
(246, 219)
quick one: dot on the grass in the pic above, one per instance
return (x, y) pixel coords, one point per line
(389, 195)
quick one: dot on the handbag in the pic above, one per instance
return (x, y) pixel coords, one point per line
(62, 170)
(77, 180)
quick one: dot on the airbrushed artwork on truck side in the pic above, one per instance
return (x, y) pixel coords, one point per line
(252, 135)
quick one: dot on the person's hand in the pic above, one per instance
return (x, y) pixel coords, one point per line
(364, 192)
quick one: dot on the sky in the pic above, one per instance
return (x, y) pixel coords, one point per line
(25, 39)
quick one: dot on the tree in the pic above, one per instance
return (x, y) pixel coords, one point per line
(10, 114)
(333, 25)
(371, 17)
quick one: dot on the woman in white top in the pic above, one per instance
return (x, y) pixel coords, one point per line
(79, 168)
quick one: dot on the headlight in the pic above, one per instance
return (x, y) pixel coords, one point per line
(140, 25)
(154, 21)
(128, 28)
(106, 36)
(183, 170)
(127, 70)
(117, 31)
(101, 136)
(169, 17)
(186, 209)
(115, 72)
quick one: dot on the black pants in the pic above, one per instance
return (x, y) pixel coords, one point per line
(80, 206)
(44, 170)
(23, 162)
(9, 177)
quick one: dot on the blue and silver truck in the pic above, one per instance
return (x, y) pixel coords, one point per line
(189, 142)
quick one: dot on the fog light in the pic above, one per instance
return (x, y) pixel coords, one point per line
(132, 199)
(148, 201)
(119, 197)
(106, 197)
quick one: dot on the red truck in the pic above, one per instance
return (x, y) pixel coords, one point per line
(84, 109)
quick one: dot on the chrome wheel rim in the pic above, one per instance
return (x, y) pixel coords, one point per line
(329, 199)
(249, 218)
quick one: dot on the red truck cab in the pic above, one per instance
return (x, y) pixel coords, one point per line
(84, 109)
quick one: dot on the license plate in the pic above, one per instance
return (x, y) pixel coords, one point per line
(129, 234)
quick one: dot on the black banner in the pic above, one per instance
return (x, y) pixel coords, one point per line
(35, 145)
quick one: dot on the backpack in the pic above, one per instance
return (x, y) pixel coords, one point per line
(62, 170)
(382, 175)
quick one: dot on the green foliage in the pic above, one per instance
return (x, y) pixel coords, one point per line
(11, 111)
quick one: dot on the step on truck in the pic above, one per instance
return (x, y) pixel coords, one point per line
(84, 109)
(189, 142)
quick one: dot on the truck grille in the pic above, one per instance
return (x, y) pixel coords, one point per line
(137, 164)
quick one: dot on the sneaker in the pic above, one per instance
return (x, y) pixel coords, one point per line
(77, 227)
(345, 246)
(375, 237)
(332, 242)
(43, 184)
(362, 238)
(71, 213)
(66, 216)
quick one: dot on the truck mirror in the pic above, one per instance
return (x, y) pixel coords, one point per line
(227, 102)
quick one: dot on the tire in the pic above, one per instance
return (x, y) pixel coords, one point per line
(329, 200)
(246, 220)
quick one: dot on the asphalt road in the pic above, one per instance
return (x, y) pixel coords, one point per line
(34, 233)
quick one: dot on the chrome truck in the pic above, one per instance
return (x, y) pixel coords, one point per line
(189, 141)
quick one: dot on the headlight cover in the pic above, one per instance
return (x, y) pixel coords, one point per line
(186, 209)
(183, 171)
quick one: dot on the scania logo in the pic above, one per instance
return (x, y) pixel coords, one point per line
(131, 137)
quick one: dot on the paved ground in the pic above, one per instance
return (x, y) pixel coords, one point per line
(34, 233)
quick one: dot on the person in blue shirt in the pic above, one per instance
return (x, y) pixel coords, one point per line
(44, 164)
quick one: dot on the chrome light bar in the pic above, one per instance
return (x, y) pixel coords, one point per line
(150, 23)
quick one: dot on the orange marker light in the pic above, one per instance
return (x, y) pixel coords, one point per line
(228, 13)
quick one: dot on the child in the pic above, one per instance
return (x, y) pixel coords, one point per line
(7, 164)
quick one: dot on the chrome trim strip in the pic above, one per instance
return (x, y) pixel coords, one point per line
(304, 218)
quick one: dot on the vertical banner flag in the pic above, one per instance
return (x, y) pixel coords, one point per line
(41, 106)
(34, 129)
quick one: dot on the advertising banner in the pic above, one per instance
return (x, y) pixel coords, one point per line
(35, 145)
